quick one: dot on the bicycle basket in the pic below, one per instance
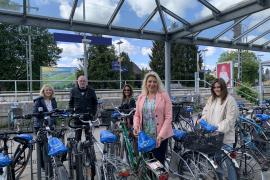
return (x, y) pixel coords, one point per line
(207, 143)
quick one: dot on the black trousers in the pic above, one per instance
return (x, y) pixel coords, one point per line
(160, 152)
(78, 133)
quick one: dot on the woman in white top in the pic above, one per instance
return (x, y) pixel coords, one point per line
(44, 103)
(221, 110)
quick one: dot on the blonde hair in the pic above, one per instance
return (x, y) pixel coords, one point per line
(160, 87)
(41, 93)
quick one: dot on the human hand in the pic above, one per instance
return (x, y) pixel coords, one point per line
(135, 132)
(206, 126)
(159, 140)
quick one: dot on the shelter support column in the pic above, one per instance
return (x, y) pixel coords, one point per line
(168, 66)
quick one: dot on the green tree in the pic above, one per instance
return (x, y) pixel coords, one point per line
(250, 65)
(9, 5)
(183, 61)
(127, 66)
(13, 56)
(100, 66)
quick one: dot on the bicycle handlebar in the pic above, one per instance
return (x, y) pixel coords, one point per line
(80, 117)
(122, 114)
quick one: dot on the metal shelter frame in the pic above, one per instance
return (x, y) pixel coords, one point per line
(187, 34)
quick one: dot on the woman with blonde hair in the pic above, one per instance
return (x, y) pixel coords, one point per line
(44, 103)
(154, 113)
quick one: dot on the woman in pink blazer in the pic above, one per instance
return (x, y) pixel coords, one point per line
(154, 113)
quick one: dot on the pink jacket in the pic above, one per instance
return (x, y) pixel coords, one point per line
(163, 111)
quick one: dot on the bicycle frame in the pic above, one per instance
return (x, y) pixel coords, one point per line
(20, 150)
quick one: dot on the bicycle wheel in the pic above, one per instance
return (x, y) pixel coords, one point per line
(88, 161)
(110, 169)
(227, 167)
(22, 162)
(183, 124)
(249, 167)
(61, 173)
(197, 165)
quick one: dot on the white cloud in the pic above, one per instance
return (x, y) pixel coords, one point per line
(144, 65)
(96, 11)
(220, 5)
(210, 51)
(146, 51)
(126, 46)
(142, 7)
(256, 18)
(259, 41)
(71, 53)
(145, 7)
(71, 49)
(211, 67)
(67, 62)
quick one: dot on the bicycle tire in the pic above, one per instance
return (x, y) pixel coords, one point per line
(227, 167)
(110, 172)
(249, 167)
(183, 124)
(196, 165)
(61, 173)
(19, 172)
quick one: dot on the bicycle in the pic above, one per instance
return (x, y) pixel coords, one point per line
(12, 168)
(84, 152)
(46, 138)
(183, 116)
(189, 164)
(141, 165)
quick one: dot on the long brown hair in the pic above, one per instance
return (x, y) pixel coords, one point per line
(223, 88)
(123, 93)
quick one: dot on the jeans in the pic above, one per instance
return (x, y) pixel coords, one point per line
(224, 161)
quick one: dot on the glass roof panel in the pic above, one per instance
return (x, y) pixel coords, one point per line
(95, 11)
(132, 14)
(221, 5)
(155, 24)
(51, 8)
(188, 10)
(13, 5)
(212, 32)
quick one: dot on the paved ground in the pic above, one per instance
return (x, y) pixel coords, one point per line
(27, 173)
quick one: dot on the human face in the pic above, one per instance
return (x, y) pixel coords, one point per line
(127, 91)
(151, 84)
(217, 89)
(48, 92)
(82, 82)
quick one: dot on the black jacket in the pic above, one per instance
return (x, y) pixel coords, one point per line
(83, 103)
(40, 102)
(128, 105)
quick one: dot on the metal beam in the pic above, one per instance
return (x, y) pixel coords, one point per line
(161, 16)
(238, 11)
(75, 2)
(228, 28)
(258, 37)
(119, 5)
(222, 43)
(148, 19)
(78, 26)
(183, 21)
(265, 44)
(210, 6)
(24, 8)
(251, 29)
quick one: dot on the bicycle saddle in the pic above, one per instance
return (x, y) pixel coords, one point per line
(23, 138)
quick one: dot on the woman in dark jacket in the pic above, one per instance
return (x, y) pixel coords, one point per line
(44, 103)
(128, 102)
